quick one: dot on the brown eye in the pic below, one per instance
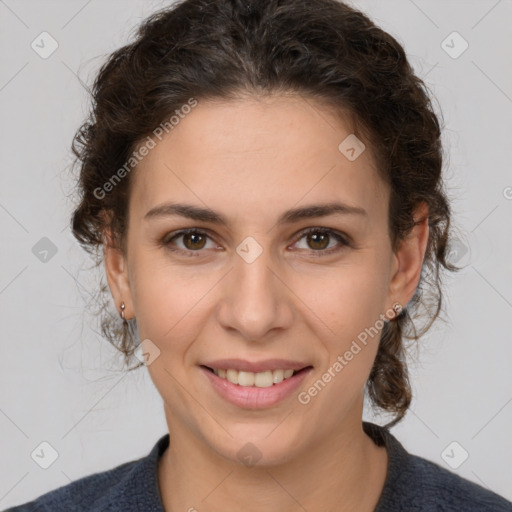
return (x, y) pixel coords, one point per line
(193, 241)
(319, 241)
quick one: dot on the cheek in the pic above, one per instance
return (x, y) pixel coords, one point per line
(170, 304)
(345, 300)
(166, 297)
(349, 331)
(345, 311)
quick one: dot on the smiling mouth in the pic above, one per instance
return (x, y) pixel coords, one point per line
(255, 379)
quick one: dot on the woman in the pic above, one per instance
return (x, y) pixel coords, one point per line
(264, 179)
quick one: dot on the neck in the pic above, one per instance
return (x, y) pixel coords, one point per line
(344, 472)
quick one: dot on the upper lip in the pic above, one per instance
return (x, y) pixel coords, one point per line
(255, 366)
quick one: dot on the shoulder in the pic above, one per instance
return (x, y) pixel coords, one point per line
(417, 484)
(122, 488)
(92, 490)
(441, 489)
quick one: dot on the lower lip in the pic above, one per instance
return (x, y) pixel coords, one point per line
(252, 397)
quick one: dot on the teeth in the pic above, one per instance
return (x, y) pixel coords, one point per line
(247, 378)
(260, 379)
(277, 376)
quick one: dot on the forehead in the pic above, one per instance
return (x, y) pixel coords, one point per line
(259, 156)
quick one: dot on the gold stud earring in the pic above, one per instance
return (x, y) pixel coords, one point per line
(122, 310)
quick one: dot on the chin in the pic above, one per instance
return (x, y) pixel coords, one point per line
(261, 445)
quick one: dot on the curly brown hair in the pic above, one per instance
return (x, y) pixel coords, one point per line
(324, 50)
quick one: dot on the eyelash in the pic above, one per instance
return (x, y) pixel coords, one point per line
(166, 241)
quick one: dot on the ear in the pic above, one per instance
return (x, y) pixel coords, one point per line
(409, 259)
(116, 269)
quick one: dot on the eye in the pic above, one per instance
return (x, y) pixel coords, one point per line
(317, 240)
(193, 241)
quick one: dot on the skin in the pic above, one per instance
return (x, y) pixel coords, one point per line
(251, 159)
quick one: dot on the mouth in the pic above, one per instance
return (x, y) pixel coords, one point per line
(264, 379)
(256, 391)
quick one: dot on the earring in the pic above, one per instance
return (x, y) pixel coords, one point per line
(122, 310)
(397, 308)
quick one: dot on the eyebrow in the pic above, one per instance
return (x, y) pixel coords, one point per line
(207, 215)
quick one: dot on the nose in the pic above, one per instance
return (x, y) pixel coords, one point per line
(255, 299)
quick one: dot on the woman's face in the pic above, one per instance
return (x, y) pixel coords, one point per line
(258, 287)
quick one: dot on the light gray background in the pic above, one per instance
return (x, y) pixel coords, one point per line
(60, 382)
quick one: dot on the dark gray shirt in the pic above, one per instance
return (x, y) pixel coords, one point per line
(412, 484)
